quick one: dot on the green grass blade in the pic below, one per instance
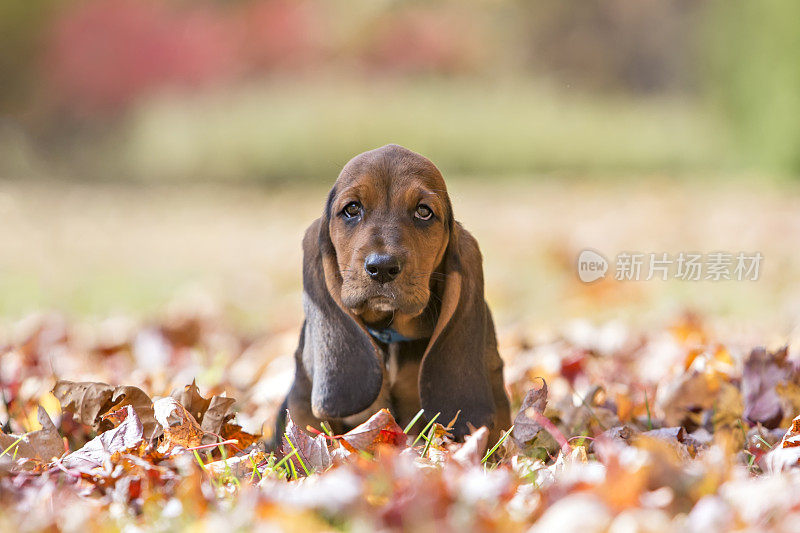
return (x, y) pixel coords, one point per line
(413, 421)
(496, 446)
(229, 475)
(255, 470)
(765, 443)
(199, 459)
(425, 429)
(279, 464)
(12, 445)
(428, 444)
(299, 459)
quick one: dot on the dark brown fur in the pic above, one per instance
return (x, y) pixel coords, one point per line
(343, 374)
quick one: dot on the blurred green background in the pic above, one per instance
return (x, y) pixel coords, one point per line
(281, 90)
(150, 148)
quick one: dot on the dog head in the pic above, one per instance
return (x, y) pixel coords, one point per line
(389, 220)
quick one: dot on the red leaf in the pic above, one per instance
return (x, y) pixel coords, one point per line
(381, 428)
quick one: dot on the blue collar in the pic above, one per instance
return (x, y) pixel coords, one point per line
(387, 335)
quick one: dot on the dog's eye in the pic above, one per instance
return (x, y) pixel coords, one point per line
(423, 212)
(351, 210)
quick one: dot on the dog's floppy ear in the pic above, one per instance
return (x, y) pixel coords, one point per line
(341, 359)
(453, 375)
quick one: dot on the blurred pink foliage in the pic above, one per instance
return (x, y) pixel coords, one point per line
(102, 55)
(282, 34)
(422, 40)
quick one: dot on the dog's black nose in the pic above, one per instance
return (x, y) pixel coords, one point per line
(381, 267)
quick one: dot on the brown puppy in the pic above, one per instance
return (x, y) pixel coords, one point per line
(393, 298)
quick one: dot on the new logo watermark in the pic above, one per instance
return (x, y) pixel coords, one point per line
(591, 266)
(684, 266)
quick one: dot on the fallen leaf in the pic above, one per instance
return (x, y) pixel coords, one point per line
(625, 478)
(781, 459)
(180, 427)
(240, 466)
(439, 438)
(127, 436)
(474, 447)
(623, 433)
(42, 445)
(135, 397)
(789, 393)
(190, 397)
(786, 455)
(763, 371)
(380, 428)
(676, 436)
(684, 398)
(89, 401)
(211, 413)
(217, 414)
(525, 427)
(312, 452)
(86, 401)
(235, 432)
(726, 419)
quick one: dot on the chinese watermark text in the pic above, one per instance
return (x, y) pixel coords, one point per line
(684, 266)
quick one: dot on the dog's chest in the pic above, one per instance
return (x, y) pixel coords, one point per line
(402, 372)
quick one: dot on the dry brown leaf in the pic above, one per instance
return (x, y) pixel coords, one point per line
(789, 393)
(180, 427)
(623, 433)
(211, 413)
(311, 452)
(677, 437)
(763, 372)
(190, 397)
(525, 427)
(471, 452)
(727, 416)
(125, 437)
(218, 414)
(135, 397)
(235, 432)
(689, 394)
(88, 401)
(42, 445)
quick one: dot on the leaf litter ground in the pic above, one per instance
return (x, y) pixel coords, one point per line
(666, 430)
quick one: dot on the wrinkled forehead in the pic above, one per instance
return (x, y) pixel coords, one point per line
(392, 171)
